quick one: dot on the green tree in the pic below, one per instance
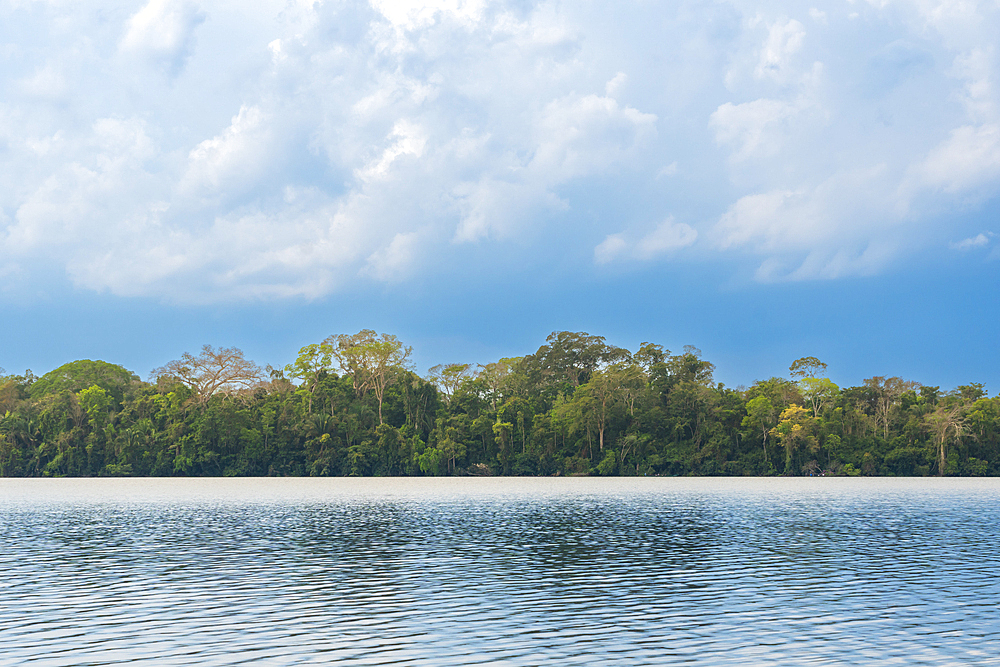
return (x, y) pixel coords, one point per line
(568, 359)
(820, 392)
(886, 394)
(97, 403)
(79, 375)
(806, 367)
(373, 361)
(796, 433)
(312, 362)
(495, 377)
(760, 415)
(448, 378)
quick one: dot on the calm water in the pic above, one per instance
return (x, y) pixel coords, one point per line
(500, 571)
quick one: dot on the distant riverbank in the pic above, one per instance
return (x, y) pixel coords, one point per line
(352, 405)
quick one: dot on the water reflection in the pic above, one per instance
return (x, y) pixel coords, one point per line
(517, 572)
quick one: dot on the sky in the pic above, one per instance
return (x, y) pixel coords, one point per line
(762, 180)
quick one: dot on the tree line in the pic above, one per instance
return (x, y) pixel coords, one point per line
(354, 405)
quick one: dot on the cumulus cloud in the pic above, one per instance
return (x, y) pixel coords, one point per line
(666, 237)
(231, 159)
(968, 158)
(571, 137)
(753, 128)
(392, 262)
(163, 32)
(784, 40)
(826, 194)
(297, 148)
(412, 14)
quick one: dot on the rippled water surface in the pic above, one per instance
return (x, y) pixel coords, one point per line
(500, 571)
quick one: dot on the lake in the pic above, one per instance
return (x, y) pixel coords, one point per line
(508, 571)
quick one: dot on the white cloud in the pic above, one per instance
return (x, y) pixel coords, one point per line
(412, 14)
(827, 193)
(615, 85)
(977, 241)
(666, 237)
(62, 209)
(820, 231)
(163, 32)
(231, 161)
(296, 148)
(754, 128)
(47, 83)
(668, 170)
(610, 249)
(571, 137)
(755, 217)
(394, 262)
(407, 139)
(784, 40)
(969, 158)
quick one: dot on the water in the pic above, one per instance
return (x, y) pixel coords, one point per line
(500, 571)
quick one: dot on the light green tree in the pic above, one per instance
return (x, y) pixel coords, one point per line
(97, 403)
(372, 360)
(820, 392)
(495, 377)
(313, 360)
(816, 389)
(448, 378)
(760, 414)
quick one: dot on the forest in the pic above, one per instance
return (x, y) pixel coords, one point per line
(354, 405)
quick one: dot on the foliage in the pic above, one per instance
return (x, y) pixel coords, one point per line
(213, 371)
(352, 405)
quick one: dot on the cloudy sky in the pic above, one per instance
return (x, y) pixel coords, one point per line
(764, 180)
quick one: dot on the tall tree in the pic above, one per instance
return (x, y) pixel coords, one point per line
(449, 377)
(313, 360)
(807, 367)
(760, 414)
(495, 377)
(372, 360)
(690, 367)
(83, 373)
(819, 392)
(946, 422)
(886, 393)
(569, 358)
(213, 371)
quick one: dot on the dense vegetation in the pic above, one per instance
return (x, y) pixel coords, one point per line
(352, 405)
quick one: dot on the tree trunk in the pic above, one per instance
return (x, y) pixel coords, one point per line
(941, 457)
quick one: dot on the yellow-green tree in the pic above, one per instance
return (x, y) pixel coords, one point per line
(796, 431)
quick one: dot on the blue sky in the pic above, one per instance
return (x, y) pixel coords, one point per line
(763, 180)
